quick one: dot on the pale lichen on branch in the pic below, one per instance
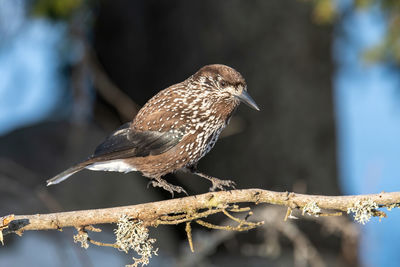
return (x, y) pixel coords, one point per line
(311, 208)
(133, 235)
(363, 211)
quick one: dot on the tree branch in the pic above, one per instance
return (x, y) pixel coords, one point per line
(152, 213)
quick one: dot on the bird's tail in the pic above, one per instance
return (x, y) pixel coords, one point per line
(67, 173)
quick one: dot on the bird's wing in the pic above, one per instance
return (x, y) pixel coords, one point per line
(126, 142)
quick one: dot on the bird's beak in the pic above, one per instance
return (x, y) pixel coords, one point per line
(246, 98)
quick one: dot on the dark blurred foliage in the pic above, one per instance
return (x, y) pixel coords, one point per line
(56, 9)
(145, 46)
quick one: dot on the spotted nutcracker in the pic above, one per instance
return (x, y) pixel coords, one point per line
(173, 130)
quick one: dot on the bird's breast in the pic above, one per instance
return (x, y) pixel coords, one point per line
(201, 140)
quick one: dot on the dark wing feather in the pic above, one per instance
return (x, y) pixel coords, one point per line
(116, 141)
(126, 142)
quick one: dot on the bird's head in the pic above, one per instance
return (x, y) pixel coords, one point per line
(224, 82)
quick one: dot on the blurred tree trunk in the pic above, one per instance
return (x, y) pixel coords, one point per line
(146, 46)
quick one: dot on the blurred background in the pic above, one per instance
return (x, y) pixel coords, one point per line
(324, 72)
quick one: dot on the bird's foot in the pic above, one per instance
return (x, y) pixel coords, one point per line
(216, 183)
(221, 184)
(158, 182)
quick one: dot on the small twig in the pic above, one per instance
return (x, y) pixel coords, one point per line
(101, 244)
(339, 213)
(125, 106)
(238, 228)
(188, 229)
(83, 237)
(288, 213)
(240, 221)
(92, 229)
(235, 208)
(190, 216)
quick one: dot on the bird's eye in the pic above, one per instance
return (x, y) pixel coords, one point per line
(222, 83)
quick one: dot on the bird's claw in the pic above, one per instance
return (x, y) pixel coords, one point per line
(167, 186)
(221, 184)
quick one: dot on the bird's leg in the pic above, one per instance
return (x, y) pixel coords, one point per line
(216, 183)
(159, 182)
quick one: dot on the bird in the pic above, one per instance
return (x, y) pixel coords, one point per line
(173, 130)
